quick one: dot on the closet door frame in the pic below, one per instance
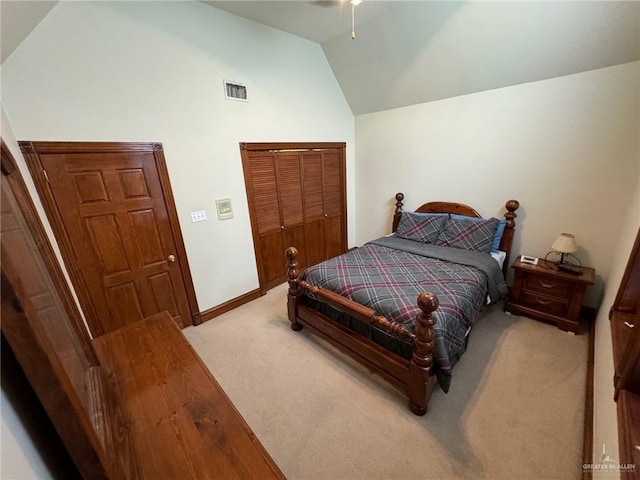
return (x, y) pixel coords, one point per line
(245, 150)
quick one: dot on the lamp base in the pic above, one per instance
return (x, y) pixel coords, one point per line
(568, 268)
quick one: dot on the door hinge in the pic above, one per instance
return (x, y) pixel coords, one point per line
(46, 177)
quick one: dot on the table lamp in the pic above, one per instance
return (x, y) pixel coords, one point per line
(565, 244)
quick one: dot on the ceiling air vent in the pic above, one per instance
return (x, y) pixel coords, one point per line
(235, 91)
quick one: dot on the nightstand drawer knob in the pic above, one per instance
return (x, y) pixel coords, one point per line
(630, 325)
(543, 302)
(547, 285)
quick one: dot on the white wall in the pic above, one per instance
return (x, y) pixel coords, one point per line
(566, 148)
(153, 71)
(20, 457)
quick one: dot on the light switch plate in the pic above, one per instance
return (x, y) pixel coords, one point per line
(199, 216)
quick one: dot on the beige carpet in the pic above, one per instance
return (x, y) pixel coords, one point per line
(515, 409)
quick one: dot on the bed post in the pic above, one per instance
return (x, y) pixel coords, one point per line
(294, 288)
(398, 212)
(420, 368)
(507, 236)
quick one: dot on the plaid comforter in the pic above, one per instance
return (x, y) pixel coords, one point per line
(388, 279)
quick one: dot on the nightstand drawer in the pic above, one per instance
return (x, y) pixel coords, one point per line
(549, 286)
(543, 303)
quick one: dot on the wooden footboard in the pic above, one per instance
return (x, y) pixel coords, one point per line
(416, 376)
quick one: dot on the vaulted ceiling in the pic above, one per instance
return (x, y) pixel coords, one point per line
(408, 52)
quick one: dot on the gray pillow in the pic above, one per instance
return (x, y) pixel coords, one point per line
(476, 235)
(421, 227)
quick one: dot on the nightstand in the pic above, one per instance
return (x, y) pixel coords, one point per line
(544, 293)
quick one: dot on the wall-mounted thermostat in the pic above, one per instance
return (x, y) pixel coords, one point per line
(225, 211)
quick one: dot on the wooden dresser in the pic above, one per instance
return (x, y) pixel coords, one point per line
(544, 293)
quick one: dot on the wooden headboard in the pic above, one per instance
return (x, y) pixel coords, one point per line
(462, 209)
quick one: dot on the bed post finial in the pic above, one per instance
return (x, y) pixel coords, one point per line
(398, 211)
(428, 302)
(507, 236)
(294, 288)
(292, 268)
(420, 367)
(511, 206)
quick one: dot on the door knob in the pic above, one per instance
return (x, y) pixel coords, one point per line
(171, 258)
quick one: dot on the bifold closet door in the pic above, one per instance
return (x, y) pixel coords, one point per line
(323, 205)
(275, 193)
(296, 198)
(334, 204)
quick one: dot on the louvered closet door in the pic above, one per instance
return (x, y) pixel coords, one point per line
(296, 198)
(324, 205)
(313, 207)
(266, 212)
(333, 203)
(276, 198)
(291, 213)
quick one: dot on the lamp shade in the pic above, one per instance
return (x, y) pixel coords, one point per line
(565, 243)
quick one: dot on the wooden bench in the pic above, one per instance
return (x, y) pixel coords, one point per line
(152, 409)
(179, 423)
(137, 403)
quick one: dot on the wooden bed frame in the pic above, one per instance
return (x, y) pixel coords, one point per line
(415, 376)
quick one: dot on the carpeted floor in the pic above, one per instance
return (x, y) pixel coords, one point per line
(514, 411)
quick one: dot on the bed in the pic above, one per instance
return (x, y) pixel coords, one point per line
(404, 305)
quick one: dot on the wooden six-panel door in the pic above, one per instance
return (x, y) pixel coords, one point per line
(113, 216)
